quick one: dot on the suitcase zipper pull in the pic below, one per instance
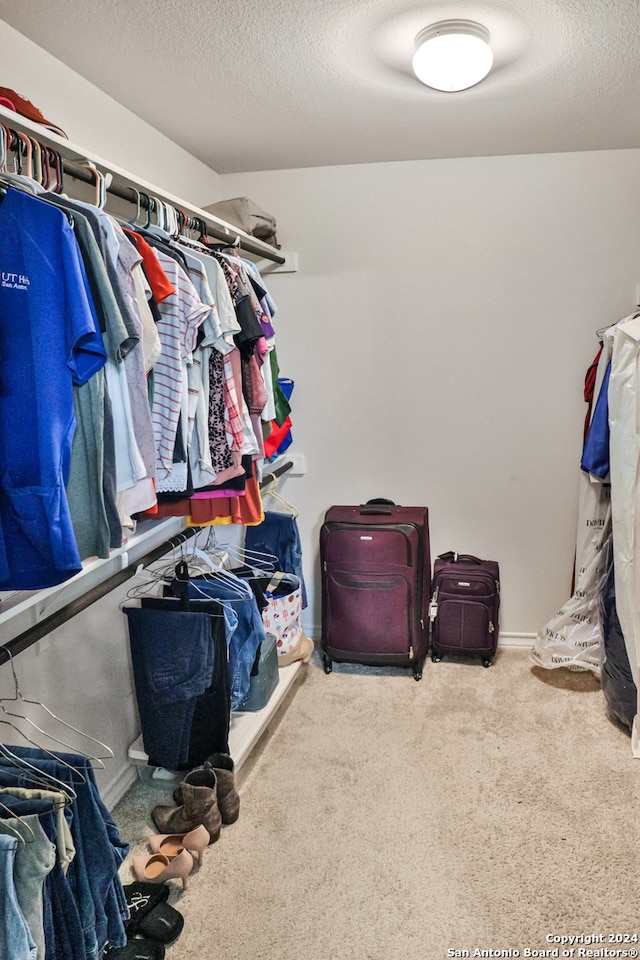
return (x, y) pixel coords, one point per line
(491, 627)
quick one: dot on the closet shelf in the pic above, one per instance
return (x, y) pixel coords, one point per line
(23, 610)
(246, 728)
(122, 180)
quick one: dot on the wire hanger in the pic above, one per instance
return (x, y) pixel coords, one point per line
(256, 559)
(214, 571)
(38, 746)
(11, 828)
(44, 779)
(19, 697)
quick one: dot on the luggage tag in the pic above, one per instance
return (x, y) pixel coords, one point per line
(433, 606)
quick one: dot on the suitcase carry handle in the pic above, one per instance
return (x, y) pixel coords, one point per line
(378, 506)
(455, 557)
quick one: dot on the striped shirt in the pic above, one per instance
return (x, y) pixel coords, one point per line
(181, 314)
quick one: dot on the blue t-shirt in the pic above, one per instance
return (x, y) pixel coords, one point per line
(595, 454)
(49, 340)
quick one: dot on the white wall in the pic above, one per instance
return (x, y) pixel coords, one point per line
(439, 330)
(93, 120)
(82, 671)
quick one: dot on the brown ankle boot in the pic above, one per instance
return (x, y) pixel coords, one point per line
(228, 799)
(199, 806)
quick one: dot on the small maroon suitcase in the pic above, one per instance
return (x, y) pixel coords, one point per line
(376, 573)
(465, 605)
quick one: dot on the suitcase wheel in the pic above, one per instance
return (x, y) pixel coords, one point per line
(435, 658)
(486, 661)
(417, 670)
(328, 665)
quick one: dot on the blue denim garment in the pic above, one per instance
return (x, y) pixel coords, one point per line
(278, 534)
(249, 633)
(63, 933)
(35, 859)
(172, 657)
(209, 732)
(16, 942)
(93, 873)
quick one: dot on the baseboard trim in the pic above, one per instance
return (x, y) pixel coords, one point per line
(522, 640)
(116, 788)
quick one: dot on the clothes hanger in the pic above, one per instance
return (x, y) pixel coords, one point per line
(98, 178)
(151, 206)
(53, 756)
(36, 157)
(288, 507)
(65, 792)
(58, 166)
(172, 220)
(238, 587)
(214, 571)
(19, 697)
(190, 223)
(44, 779)
(16, 816)
(138, 202)
(259, 560)
(269, 488)
(3, 148)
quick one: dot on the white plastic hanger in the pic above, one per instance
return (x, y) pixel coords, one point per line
(270, 489)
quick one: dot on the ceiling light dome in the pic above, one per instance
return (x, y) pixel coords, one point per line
(452, 55)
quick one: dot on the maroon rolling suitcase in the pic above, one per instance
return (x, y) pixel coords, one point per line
(376, 571)
(464, 609)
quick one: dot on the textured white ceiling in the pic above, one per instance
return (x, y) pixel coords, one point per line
(269, 84)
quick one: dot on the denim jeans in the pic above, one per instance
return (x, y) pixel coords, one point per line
(35, 859)
(62, 928)
(93, 873)
(278, 534)
(16, 942)
(245, 641)
(209, 731)
(172, 657)
(65, 850)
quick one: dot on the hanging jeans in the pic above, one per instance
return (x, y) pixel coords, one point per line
(62, 928)
(278, 534)
(172, 656)
(209, 711)
(16, 942)
(245, 641)
(93, 873)
(35, 859)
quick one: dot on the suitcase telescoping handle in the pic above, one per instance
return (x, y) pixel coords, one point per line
(455, 557)
(378, 506)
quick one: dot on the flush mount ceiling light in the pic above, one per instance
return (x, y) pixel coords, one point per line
(452, 55)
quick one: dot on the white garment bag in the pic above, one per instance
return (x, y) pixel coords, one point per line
(624, 425)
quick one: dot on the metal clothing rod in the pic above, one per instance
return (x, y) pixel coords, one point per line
(127, 185)
(274, 474)
(131, 195)
(26, 639)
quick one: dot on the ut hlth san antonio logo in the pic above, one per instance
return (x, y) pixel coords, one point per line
(15, 281)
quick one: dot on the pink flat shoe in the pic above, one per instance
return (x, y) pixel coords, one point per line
(158, 868)
(170, 844)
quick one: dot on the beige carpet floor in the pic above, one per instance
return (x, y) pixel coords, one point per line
(477, 810)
